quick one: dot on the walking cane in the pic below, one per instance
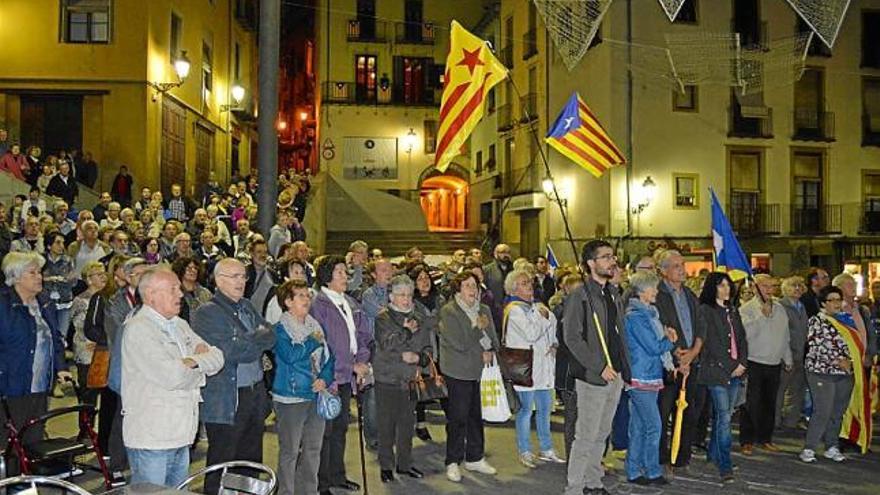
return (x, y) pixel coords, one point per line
(359, 400)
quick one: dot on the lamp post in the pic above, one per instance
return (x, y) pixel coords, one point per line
(649, 189)
(237, 93)
(409, 141)
(547, 186)
(181, 69)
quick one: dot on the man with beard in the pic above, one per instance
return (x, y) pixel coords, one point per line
(495, 273)
(817, 279)
(594, 333)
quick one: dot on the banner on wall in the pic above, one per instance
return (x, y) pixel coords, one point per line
(369, 158)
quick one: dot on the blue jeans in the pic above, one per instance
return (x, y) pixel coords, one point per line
(643, 455)
(542, 401)
(620, 425)
(723, 397)
(167, 467)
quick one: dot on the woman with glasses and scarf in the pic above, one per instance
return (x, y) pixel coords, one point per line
(403, 346)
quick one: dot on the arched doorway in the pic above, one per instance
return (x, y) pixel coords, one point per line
(444, 200)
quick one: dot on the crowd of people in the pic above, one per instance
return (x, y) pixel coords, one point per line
(185, 325)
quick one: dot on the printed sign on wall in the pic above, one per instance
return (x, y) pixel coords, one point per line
(370, 158)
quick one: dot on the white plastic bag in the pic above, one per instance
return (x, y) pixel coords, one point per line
(493, 397)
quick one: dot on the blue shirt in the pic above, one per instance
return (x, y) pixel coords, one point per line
(42, 367)
(247, 374)
(684, 313)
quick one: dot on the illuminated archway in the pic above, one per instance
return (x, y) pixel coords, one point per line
(444, 202)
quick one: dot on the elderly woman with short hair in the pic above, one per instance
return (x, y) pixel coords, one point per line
(649, 345)
(467, 343)
(31, 347)
(403, 345)
(530, 325)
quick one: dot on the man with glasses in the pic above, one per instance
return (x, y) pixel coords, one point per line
(816, 280)
(793, 384)
(235, 403)
(594, 333)
(677, 305)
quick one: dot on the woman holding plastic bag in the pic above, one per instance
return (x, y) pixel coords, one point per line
(467, 343)
(304, 369)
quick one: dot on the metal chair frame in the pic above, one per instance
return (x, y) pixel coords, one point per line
(35, 481)
(242, 485)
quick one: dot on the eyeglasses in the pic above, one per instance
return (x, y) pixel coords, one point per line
(234, 276)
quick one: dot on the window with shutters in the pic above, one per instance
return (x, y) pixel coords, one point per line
(86, 21)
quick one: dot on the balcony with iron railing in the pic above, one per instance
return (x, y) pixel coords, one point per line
(530, 44)
(247, 14)
(757, 38)
(528, 107)
(811, 124)
(367, 30)
(816, 220)
(349, 93)
(870, 129)
(506, 56)
(869, 223)
(740, 126)
(414, 33)
(755, 219)
(504, 117)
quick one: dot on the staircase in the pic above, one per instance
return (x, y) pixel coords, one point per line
(395, 243)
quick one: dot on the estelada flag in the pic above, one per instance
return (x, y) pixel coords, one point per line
(471, 71)
(579, 136)
(856, 425)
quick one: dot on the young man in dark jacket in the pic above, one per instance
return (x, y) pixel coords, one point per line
(594, 333)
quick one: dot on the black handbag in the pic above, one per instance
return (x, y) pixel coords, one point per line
(512, 397)
(516, 365)
(428, 387)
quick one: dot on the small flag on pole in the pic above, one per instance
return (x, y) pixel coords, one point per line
(579, 136)
(729, 256)
(471, 71)
(551, 259)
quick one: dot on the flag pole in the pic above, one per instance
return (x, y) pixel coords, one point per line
(534, 132)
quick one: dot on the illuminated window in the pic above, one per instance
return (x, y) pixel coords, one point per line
(86, 21)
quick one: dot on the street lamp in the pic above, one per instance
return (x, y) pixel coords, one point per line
(181, 69)
(237, 93)
(547, 186)
(648, 190)
(409, 141)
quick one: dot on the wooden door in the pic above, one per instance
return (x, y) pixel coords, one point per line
(173, 169)
(204, 158)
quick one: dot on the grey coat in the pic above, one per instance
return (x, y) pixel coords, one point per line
(461, 356)
(392, 340)
(581, 335)
(797, 329)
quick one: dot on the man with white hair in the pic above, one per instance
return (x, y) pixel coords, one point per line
(31, 347)
(767, 333)
(164, 366)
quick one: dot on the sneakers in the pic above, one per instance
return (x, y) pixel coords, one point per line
(453, 473)
(808, 456)
(528, 460)
(550, 456)
(117, 479)
(480, 466)
(834, 454)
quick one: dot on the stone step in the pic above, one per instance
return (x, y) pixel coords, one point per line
(397, 243)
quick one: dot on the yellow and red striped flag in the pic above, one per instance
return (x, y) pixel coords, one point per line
(471, 71)
(578, 135)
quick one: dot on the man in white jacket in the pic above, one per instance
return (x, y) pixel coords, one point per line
(164, 365)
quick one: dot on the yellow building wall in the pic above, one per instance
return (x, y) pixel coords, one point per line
(121, 123)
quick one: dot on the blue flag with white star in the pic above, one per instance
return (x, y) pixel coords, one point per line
(551, 259)
(729, 256)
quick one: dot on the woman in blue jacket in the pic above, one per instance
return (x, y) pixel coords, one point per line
(304, 367)
(31, 347)
(649, 345)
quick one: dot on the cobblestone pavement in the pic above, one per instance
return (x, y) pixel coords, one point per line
(761, 473)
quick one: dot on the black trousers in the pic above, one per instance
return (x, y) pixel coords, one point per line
(464, 422)
(570, 417)
(759, 415)
(115, 444)
(332, 469)
(396, 421)
(243, 439)
(695, 395)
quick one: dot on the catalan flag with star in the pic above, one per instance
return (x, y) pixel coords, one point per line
(471, 71)
(579, 136)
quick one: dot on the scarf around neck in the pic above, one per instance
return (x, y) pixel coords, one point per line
(472, 311)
